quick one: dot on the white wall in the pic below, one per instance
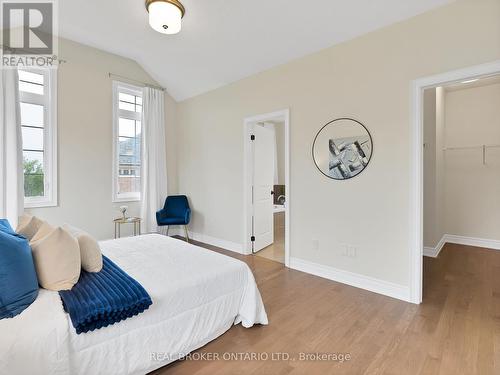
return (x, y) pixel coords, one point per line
(440, 189)
(85, 138)
(171, 143)
(434, 166)
(430, 199)
(367, 78)
(473, 189)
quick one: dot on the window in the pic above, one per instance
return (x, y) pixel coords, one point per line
(127, 128)
(37, 95)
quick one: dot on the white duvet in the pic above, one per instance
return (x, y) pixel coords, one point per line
(197, 295)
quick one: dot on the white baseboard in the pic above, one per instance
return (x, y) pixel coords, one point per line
(430, 252)
(473, 241)
(371, 284)
(461, 240)
(226, 245)
(433, 252)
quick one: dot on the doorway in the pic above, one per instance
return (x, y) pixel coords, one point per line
(266, 186)
(417, 162)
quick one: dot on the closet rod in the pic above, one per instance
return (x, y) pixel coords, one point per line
(470, 147)
(482, 147)
(117, 76)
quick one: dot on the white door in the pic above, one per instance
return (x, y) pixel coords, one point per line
(263, 179)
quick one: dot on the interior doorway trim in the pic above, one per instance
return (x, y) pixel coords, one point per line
(283, 115)
(417, 164)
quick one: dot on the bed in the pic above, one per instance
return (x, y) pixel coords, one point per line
(197, 296)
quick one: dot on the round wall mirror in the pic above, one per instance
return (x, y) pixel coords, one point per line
(342, 149)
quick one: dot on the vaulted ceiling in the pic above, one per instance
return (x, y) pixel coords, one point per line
(223, 41)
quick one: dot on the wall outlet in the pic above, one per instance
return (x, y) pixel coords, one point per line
(315, 245)
(348, 251)
(344, 250)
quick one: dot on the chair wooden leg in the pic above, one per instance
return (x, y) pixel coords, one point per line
(187, 234)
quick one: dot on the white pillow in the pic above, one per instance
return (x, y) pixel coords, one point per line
(56, 255)
(90, 251)
(28, 226)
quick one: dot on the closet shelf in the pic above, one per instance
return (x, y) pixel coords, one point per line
(481, 147)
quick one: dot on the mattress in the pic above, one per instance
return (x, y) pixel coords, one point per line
(197, 295)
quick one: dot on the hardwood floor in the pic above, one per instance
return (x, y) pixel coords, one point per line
(455, 331)
(276, 251)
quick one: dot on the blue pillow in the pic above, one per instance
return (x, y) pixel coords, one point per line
(5, 226)
(18, 280)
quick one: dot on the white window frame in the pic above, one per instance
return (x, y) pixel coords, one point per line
(117, 113)
(49, 101)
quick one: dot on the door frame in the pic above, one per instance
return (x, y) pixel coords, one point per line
(282, 115)
(417, 162)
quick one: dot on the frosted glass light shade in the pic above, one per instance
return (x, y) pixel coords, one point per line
(165, 17)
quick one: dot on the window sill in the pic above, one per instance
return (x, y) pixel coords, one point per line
(126, 200)
(39, 204)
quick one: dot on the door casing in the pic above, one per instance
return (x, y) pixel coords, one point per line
(284, 116)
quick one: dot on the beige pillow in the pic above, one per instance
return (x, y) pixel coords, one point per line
(56, 255)
(43, 230)
(90, 251)
(23, 220)
(28, 226)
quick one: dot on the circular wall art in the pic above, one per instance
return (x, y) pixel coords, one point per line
(342, 148)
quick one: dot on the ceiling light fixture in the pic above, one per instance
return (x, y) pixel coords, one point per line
(165, 16)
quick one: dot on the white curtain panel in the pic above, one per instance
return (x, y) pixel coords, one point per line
(154, 163)
(11, 150)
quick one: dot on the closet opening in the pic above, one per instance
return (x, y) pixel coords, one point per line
(461, 185)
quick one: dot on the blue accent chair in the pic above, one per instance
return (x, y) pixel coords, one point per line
(176, 211)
